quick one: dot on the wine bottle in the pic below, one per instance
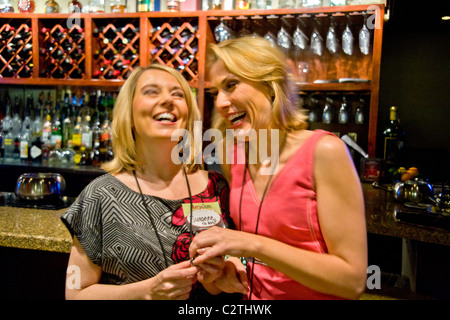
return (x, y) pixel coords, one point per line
(394, 138)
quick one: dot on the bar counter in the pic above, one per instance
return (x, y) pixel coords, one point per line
(38, 229)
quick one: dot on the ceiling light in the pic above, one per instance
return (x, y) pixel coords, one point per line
(445, 18)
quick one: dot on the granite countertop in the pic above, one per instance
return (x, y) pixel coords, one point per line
(39, 229)
(380, 219)
(34, 229)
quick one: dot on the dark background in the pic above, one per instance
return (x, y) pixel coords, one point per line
(415, 76)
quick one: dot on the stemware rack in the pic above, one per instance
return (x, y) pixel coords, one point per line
(101, 50)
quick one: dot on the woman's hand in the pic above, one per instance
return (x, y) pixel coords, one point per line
(210, 270)
(228, 276)
(219, 242)
(174, 283)
(234, 277)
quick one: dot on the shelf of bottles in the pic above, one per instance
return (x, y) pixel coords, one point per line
(115, 44)
(16, 55)
(174, 42)
(62, 128)
(61, 49)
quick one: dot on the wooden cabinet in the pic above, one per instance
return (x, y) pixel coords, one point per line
(100, 50)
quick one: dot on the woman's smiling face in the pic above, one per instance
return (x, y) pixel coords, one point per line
(245, 105)
(159, 105)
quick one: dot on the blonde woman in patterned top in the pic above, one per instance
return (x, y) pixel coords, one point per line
(130, 235)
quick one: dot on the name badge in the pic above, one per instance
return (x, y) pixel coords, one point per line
(206, 215)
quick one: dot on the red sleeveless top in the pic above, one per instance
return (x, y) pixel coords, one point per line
(288, 214)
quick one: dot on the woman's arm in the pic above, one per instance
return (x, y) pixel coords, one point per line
(174, 282)
(341, 272)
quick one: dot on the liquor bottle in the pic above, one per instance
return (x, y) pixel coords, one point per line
(76, 135)
(394, 138)
(8, 141)
(51, 6)
(173, 5)
(26, 6)
(82, 157)
(328, 111)
(343, 116)
(74, 6)
(143, 5)
(97, 6)
(359, 114)
(56, 127)
(55, 155)
(86, 133)
(68, 154)
(67, 125)
(118, 6)
(105, 137)
(25, 143)
(47, 130)
(242, 4)
(6, 7)
(36, 137)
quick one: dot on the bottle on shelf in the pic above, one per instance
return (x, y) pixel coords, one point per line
(51, 6)
(25, 143)
(96, 6)
(173, 5)
(55, 154)
(359, 114)
(6, 6)
(118, 6)
(67, 154)
(8, 139)
(143, 5)
(56, 127)
(328, 111)
(343, 116)
(74, 6)
(36, 137)
(86, 133)
(26, 6)
(394, 138)
(76, 135)
(242, 4)
(105, 138)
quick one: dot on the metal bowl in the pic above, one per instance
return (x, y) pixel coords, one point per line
(40, 186)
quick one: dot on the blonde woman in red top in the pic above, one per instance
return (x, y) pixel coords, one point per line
(302, 227)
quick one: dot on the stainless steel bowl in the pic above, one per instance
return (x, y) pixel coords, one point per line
(40, 186)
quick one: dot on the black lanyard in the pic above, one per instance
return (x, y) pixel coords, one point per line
(153, 222)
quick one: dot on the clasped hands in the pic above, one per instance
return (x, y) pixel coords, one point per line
(207, 266)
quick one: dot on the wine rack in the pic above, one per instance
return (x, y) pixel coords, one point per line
(174, 43)
(101, 50)
(16, 59)
(115, 45)
(62, 54)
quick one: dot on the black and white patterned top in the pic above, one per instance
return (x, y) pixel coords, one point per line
(113, 227)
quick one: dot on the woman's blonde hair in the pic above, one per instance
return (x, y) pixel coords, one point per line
(255, 59)
(123, 143)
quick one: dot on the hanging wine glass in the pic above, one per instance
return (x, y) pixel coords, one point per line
(271, 38)
(245, 30)
(364, 37)
(316, 41)
(347, 39)
(284, 39)
(300, 40)
(331, 40)
(222, 32)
